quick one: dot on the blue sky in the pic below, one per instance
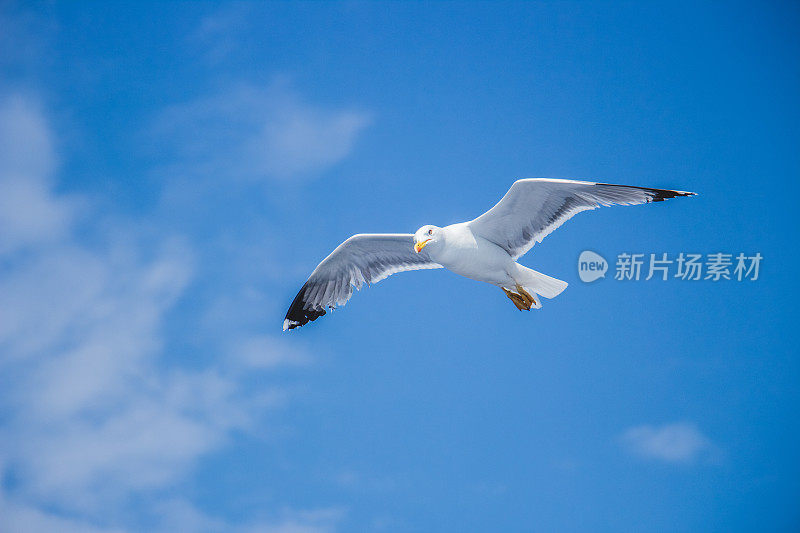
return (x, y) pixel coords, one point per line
(171, 174)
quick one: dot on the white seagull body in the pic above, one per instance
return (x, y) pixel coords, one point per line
(483, 249)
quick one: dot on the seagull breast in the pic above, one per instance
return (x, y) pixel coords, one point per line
(472, 256)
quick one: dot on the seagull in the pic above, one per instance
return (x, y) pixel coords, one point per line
(484, 249)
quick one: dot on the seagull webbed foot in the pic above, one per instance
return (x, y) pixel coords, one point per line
(522, 303)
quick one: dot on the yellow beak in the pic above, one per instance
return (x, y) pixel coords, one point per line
(418, 246)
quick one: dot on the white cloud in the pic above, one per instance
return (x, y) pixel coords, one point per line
(91, 415)
(679, 442)
(254, 133)
(17, 517)
(263, 351)
(182, 516)
(28, 213)
(95, 410)
(80, 331)
(216, 35)
(169, 516)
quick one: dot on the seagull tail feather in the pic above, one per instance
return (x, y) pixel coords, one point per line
(539, 283)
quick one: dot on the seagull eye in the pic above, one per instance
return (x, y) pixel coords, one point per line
(430, 231)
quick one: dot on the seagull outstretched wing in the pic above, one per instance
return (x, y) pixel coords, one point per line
(533, 208)
(363, 258)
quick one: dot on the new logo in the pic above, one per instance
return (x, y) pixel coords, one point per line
(591, 266)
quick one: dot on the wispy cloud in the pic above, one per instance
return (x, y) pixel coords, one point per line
(679, 442)
(18, 516)
(267, 352)
(28, 212)
(171, 515)
(185, 517)
(80, 328)
(255, 133)
(216, 34)
(102, 419)
(91, 415)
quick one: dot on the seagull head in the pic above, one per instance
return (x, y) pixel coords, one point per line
(425, 236)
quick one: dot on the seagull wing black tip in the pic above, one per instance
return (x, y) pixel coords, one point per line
(298, 315)
(659, 195)
(655, 195)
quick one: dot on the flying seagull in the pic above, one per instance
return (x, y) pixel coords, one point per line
(483, 249)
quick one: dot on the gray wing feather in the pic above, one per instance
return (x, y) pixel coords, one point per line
(361, 259)
(533, 208)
